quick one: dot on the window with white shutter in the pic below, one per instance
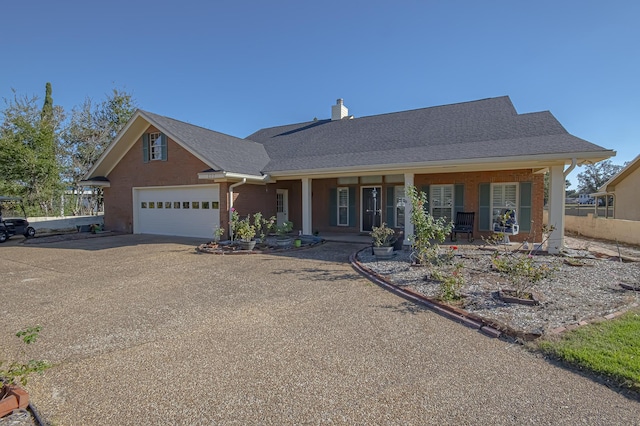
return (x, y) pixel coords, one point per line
(343, 206)
(441, 201)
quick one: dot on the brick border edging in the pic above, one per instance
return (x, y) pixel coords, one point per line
(449, 312)
(487, 327)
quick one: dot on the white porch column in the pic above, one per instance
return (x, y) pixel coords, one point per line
(408, 226)
(556, 208)
(306, 207)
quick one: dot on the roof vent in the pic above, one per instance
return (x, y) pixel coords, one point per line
(339, 111)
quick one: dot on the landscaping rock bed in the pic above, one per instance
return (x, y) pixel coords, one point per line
(581, 290)
(270, 245)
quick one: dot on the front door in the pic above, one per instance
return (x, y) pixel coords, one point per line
(282, 206)
(371, 209)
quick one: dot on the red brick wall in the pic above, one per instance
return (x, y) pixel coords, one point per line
(320, 193)
(181, 168)
(471, 181)
(251, 198)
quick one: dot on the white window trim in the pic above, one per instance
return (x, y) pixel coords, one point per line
(516, 184)
(453, 198)
(494, 207)
(338, 206)
(155, 146)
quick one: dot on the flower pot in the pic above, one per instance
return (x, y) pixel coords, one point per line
(385, 252)
(12, 398)
(283, 241)
(247, 245)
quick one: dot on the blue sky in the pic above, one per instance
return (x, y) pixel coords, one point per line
(238, 66)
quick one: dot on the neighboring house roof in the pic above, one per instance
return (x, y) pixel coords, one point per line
(610, 185)
(484, 129)
(488, 131)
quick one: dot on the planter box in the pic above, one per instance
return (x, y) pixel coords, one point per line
(509, 296)
(383, 252)
(247, 245)
(284, 242)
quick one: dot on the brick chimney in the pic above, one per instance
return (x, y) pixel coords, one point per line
(339, 111)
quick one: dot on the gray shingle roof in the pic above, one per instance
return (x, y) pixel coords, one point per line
(223, 152)
(481, 129)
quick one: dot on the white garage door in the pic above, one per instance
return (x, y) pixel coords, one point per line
(189, 211)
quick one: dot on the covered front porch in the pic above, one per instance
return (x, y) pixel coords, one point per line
(345, 208)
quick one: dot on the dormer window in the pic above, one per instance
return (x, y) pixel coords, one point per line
(155, 143)
(154, 147)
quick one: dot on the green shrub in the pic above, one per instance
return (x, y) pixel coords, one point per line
(18, 372)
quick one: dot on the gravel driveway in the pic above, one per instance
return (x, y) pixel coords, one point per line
(145, 331)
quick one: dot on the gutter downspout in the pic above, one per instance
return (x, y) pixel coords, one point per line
(242, 182)
(574, 162)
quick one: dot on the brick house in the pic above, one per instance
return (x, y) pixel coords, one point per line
(343, 174)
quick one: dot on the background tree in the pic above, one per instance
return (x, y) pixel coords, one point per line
(596, 175)
(28, 140)
(90, 129)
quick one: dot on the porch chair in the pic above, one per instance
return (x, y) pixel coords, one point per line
(463, 225)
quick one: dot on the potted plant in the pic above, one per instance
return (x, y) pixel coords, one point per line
(282, 231)
(383, 239)
(16, 374)
(244, 229)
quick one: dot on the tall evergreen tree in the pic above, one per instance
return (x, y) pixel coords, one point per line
(48, 184)
(47, 107)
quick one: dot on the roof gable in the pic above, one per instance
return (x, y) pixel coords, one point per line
(218, 151)
(222, 152)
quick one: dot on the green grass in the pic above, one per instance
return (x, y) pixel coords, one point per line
(610, 348)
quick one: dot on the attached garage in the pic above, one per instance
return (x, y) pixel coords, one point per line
(188, 211)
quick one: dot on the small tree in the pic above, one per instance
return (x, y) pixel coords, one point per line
(428, 231)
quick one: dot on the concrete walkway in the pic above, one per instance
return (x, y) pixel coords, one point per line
(145, 331)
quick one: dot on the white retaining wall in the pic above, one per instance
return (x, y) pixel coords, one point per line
(60, 223)
(624, 231)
